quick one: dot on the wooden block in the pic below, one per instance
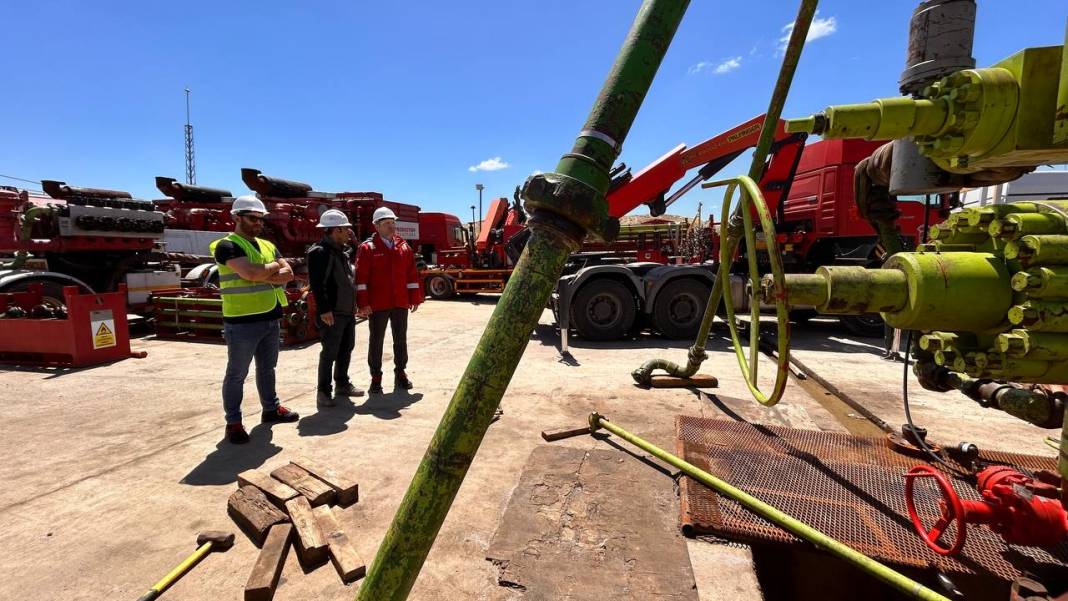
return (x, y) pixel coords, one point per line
(276, 491)
(310, 540)
(562, 433)
(249, 507)
(348, 491)
(697, 381)
(350, 566)
(317, 491)
(264, 578)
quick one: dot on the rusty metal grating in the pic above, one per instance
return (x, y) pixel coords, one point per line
(849, 487)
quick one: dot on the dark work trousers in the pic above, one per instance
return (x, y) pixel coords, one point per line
(336, 353)
(398, 319)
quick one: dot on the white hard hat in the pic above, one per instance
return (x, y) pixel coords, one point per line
(382, 213)
(248, 204)
(333, 218)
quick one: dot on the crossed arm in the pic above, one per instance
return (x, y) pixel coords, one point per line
(276, 272)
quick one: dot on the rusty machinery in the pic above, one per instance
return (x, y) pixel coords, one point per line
(987, 295)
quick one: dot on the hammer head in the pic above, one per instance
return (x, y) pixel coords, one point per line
(220, 541)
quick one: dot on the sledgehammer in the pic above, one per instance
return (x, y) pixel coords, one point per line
(213, 540)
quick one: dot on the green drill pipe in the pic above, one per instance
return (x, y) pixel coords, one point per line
(1042, 282)
(1038, 316)
(463, 426)
(1018, 225)
(985, 215)
(697, 354)
(1033, 251)
(1044, 346)
(846, 290)
(906, 585)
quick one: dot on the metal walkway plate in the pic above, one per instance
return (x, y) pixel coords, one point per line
(849, 487)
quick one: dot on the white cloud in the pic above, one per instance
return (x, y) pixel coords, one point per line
(494, 164)
(726, 66)
(820, 28)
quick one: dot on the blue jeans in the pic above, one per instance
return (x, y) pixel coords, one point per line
(245, 341)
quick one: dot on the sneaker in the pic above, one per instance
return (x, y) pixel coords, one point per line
(281, 414)
(323, 399)
(376, 385)
(348, 390)
(235, 433)
(400, 380)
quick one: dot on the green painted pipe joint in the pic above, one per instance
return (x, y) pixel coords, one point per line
(964, 115)
(1042, 282)
(582, 207)
(1039, 250)
(1038, 316)
(844, 290)
(1018, 225)
(1044, 346)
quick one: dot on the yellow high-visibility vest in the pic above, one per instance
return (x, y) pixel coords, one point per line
(243, 297)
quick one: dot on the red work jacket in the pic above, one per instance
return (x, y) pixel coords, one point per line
(386, 278)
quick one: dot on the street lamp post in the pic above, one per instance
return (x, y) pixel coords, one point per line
(480, 188)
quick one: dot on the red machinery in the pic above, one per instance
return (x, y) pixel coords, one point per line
(88, 330)
(293, 212)
(1023, 511)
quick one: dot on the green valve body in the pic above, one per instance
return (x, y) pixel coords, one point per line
(971, 120)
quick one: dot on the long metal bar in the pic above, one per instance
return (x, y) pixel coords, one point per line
(567, 203)
(732, 232)
(903, 583)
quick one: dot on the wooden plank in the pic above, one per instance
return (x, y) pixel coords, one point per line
(276, 491)
(350, 566)
(268, 569)
(348, 491)
(253, 512)
(310, 540)
(316, 491)
(562, 433)
(696, 381)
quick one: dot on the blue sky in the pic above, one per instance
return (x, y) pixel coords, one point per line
(406, 97)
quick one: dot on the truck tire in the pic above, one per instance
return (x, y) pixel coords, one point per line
(603, 310)
(51, 290)
(869, 325)
(679, 308)
(439, 287)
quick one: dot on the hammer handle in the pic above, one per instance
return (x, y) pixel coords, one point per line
(158, 588)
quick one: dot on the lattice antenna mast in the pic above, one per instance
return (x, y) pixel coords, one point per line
(190, 155)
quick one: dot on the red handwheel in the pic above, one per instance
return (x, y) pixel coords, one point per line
(950, 506)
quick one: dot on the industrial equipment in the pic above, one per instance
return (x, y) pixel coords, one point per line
(986, 294)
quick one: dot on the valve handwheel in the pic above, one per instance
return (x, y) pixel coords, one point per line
(752, 198)
(950, 506)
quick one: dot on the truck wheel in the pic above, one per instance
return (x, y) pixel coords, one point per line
(51, 290)
(603, 310)
(679, 308)
(869, 325)
(439, 287)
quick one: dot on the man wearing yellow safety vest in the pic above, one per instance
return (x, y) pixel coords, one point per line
(252, 276)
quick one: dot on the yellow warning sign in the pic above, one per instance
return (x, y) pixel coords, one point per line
(104, 337)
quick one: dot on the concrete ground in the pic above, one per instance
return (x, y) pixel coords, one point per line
(113, 470)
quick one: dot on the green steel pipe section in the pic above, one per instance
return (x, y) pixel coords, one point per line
(734, 229)
(565, 206)
(906, 585)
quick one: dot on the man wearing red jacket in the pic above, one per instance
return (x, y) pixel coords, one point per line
(387, 287)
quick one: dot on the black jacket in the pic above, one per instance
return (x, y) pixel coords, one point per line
(331, 278)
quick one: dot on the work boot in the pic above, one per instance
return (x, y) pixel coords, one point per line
(348, 390)
(281, 414)
(376, 385)
(323, 399)
(400, 380)
(235, 433)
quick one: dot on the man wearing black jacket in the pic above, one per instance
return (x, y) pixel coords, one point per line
(332, 281)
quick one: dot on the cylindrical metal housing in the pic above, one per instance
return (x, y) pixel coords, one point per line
(940, 42)
(951, 291)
